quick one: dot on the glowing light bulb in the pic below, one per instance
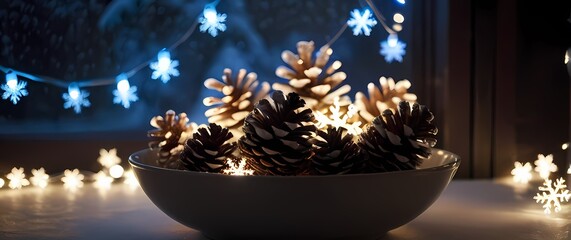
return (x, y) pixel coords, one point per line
(398, 18)
(210, 14)
(124, 94)
(564, 146)
(566, 60)
(401, 1)
(17, 178)
(72, 179)
(392, 40)
(122, 83)
(164, 67)
(73, 91)
(521, 172)
(12, 80)
(13, 89)
(544, 165)
(116, 171)
(39, 178)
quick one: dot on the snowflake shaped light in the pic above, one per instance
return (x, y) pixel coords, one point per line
(72, 179)
(339, 119)
(212, 21)
(552, 196)
(544, 165)
(75, 98)
(125, 93)
(130, 179)
(361, 23)
(164, 67)
(17, 178)
(109, 158)
(393, 49)
(521, 173)
(102, 181)
(13, 89)
(237, 169)
(39, 178)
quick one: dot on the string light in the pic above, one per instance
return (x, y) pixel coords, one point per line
(13, 89)
(521, 173)
(109, 158)
(102, 181)
(116, 171)
(564, 146)
(72, 179)
(130, 179)
(211, 20)
(17, 178)
(544, 165)
(393, 49)
(39, 178)
(361, 23)
(164, 67)
(125, 93)
(552, 195)
(339, 119)
(401, 1)
(398, 18)
(237, 169)
(75, 98)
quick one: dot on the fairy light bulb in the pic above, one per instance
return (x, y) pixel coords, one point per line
(73, 91)
(12, 80)
(210, 14)
(392, 40)
(123, 84)
(401, 1)
(164, 58)
(116, 171)
(398, 18)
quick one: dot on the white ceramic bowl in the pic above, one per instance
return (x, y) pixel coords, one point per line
(358, 206)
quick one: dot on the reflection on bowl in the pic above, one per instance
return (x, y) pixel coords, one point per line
(357, 206)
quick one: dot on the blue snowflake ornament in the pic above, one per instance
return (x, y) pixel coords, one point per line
(164, 67)
(75, 98)
(13, 89)
(212, 21)
(393, 49)
(125, 93)
(361, 23)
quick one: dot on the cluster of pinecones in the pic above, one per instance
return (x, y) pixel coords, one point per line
(280, 138)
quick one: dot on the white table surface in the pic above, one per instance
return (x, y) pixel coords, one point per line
(468, 209)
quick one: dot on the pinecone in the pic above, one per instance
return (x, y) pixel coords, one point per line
(311, 79)
(336, 154)
(387, 96)
(238, 99)
(278, 136)
(208, 149)
(171, 133)
(399, 141)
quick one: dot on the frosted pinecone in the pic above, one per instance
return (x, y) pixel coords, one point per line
(170, 134)
(278, 136)
(208, 149)
(386, 96)
(399, 141)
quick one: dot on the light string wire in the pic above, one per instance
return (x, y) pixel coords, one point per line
(99, 81)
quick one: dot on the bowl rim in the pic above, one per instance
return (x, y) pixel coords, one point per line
(451, 165)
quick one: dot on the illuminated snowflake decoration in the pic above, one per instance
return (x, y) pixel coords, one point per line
(125, 94)
(212, 21)
(109, 158)
(552, 196)
(392, 53)
(521, 173)
(237, 169)
(544, 165)
(76, 102)
(17, 178)
(164, 67)
(338, 119)
(14, 91)
(361, 23)
(130, 179)
(72, 179)
(39, 178)
(102, 181)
